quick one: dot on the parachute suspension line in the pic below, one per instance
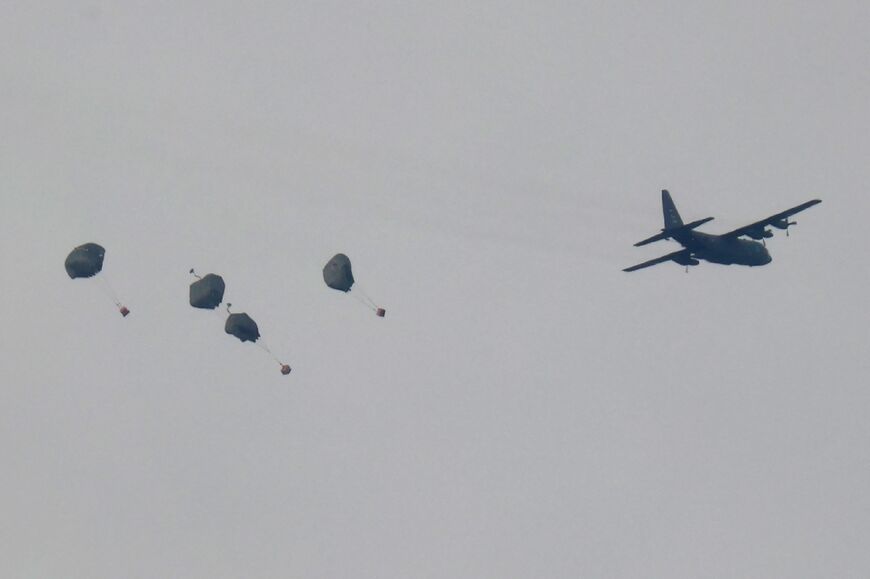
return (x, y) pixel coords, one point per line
(285, 368)
(368, 298)
(259, 343)
(106, 287)
(194, 274)
(105, 291)
(370, 303)
(362, 300)
(363, 297)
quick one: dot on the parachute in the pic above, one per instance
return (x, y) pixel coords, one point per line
(242, 327)
(338, 275)
(87, 261)
(207, 292)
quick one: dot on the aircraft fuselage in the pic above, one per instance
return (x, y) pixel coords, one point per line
(724, 250)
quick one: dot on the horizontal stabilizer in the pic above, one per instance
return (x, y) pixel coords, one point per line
(666, 233)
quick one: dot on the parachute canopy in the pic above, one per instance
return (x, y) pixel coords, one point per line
(337, 273)
(85, 260)
(242, 327)
(208, 292)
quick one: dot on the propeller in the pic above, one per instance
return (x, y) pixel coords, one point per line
(784, 224)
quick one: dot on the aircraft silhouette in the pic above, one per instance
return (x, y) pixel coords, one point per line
(727, 248)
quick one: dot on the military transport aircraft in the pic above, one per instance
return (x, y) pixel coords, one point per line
(727, 248)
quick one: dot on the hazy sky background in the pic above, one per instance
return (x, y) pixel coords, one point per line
(526, 409)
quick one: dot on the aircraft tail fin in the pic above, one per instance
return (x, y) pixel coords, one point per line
(674, 226)
(672, 216)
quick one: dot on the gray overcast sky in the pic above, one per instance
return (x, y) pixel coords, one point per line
(525, 409)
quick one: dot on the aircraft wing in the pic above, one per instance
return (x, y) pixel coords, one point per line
(780, 221)
(683, 256)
